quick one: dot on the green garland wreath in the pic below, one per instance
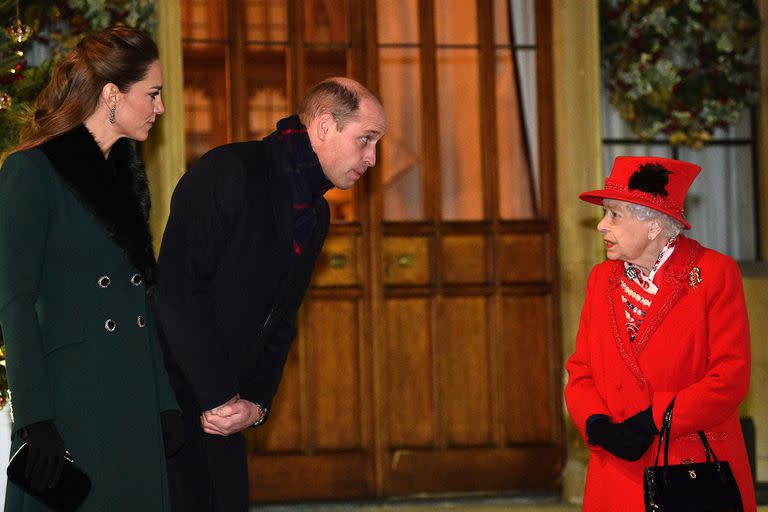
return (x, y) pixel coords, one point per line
(681, 68)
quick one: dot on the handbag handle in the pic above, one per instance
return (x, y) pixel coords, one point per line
(666, 426)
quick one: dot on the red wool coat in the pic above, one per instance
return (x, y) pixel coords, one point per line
(694, 345)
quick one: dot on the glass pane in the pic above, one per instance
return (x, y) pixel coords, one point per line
(342, 204)
(456, 22)
(203, 20)
(267, 90)
(321, 64)
(401, 171)
(501, 22)
(198, 122)
(459, 129)
(515, 180)
(266, 20)
(524, 22)
(205, 101)
(406, 29)
(721, 203)
(325, 21)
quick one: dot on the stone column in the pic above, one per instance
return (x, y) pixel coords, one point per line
(579, 160)
(164, 150)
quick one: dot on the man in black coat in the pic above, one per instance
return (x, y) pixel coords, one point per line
(247, 223)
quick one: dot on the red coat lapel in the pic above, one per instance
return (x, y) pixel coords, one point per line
(673, 285)
(616, 311)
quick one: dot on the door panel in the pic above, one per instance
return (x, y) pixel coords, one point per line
(339, 263)
(524, 257)
(464, 259)
(465, 382)
(308, 476)
(317, 442)
(410, 369)
(334, 375)
(527, 369)
(474, 470)
(283, 432)
(405, 260)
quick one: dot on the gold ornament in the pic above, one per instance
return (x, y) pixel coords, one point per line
(19, 31)
(5, 101)
(694, 278)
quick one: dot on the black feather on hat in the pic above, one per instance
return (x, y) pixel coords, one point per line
(650, 178)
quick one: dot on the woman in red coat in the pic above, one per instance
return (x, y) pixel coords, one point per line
(664, 318)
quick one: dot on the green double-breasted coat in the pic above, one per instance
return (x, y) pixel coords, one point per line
(75, 261)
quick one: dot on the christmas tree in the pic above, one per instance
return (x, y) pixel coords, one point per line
(37, 33)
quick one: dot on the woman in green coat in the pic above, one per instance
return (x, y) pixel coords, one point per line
(76, 273)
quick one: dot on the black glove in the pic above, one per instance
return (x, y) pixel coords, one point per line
(628, 440)
(642, 422)
(172, 426)
(46, 459)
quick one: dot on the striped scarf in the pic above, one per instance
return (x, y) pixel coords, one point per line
(308, 183)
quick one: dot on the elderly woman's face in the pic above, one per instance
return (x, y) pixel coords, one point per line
(626, 237)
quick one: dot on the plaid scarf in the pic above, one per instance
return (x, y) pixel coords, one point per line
(308, 182)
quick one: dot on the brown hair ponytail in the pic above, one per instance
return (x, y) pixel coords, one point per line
(118, 55)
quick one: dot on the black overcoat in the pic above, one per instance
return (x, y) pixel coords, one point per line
(230, 285)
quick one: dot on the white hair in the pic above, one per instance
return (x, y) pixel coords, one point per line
(670, 227)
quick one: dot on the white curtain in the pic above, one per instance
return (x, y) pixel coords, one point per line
(523, 13)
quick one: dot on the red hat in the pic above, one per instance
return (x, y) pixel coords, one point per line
(658, 183)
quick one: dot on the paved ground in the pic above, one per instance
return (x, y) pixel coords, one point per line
(488, 504)
(547, 503)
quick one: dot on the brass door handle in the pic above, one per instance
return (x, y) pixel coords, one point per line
(337, 261)
(405, 260)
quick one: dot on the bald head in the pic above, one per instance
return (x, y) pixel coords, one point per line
(338, 96)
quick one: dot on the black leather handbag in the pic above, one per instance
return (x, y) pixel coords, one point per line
(698, 487)
(73, 486)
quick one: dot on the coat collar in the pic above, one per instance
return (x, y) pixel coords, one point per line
(673, 286)
(114, 190)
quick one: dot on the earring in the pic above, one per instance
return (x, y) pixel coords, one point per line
(650, 237)
(112, 110)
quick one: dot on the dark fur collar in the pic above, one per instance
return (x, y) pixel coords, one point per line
(114, 190)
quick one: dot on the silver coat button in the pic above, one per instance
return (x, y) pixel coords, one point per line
(140, 321)
(110, 325)
(136, 279)
(104, 281)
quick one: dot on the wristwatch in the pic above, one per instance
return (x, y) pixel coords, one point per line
(263, 416)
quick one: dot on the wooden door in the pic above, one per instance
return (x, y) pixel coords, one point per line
(427, 358)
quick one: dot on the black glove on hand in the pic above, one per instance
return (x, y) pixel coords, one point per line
(173, 431)
(642, 422)
(620, 439)
(45, 460)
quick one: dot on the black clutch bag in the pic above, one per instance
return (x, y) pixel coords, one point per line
(73, 486)
(699, 487)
